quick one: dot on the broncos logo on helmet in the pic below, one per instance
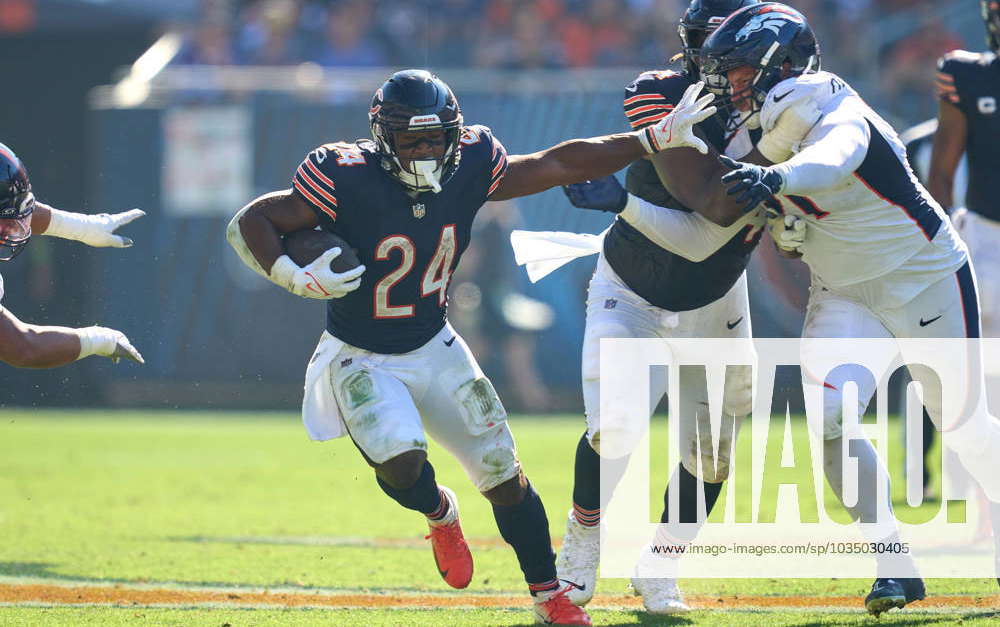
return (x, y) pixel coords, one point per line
(760, 22)
(772, 39)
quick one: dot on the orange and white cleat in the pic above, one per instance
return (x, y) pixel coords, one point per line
(451, 551)
(553, 607)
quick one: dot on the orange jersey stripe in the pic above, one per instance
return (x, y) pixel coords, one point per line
(301, 189)
(649, 119)
(642, 97)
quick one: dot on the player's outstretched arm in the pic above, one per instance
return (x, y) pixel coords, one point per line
(580, 160)
(94, 230)
(31, 346)
(255, 234)
(949, 144)
(695, 181)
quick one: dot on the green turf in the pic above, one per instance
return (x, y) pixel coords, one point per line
(58, 617)
(246, 499)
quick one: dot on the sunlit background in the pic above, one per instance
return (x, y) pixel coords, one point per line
(189, 109)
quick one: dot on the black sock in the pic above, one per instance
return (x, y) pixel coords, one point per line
(587, 481)
(688, 496)
(525, 527)
(423, 496)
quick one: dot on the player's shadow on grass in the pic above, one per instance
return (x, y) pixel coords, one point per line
(43, 570)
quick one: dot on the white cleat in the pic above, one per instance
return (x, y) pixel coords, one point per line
(660, 596)
(577, 561)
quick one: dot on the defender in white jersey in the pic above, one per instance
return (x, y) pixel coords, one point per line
(885, 260)
(31, 346)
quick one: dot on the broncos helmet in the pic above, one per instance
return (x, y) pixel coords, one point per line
(765, 37)
(991, 15)
(416, 100)
(699, 20)
(16, 205)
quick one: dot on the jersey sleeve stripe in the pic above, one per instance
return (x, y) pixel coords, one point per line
(643, 97)
(317, 190)
(649, 107)
(315, 184)
(316, 187)
(319, 174)
(316, 203)
(649, 119)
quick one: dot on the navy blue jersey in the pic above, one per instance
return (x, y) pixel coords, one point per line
(409, 245)
(661, 277)
(971, 82)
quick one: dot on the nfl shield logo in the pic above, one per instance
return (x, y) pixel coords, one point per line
(419, 210)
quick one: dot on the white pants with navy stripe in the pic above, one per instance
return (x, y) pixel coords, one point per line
(615, 311)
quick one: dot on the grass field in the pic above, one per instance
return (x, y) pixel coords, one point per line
(159, 518)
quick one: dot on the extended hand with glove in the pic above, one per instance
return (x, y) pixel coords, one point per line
(605, 194)
(316, 280)
(755, 184)
(676, 130)
(94, 230)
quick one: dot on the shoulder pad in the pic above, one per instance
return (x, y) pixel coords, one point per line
(960, 57)
(314, 178)
(652, 95)
(478, 137)
(474, 134)
(804, 94)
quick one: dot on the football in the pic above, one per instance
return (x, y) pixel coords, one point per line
(306, 245)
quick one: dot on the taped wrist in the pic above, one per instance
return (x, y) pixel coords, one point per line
(283, 272)
(647, 139)
(95, 341)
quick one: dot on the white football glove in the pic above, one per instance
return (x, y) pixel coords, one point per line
(107, 342)
(788, 232)
(677, 129)
(316, 280)
(94, 230)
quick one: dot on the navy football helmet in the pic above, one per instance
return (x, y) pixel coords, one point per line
(773, 39)
(16, 205)
(700, 19)
(416, 100)
(991, 15)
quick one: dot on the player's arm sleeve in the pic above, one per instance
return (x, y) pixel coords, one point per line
(315, 185)
(832, 151)
(685, 233)
(498, 163)
(645, 102)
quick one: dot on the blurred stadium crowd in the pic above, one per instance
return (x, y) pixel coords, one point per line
(899, 40)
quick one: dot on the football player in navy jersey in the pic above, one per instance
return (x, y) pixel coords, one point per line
(389, 366)
(968, 85)
(32, 346)
(664, 271)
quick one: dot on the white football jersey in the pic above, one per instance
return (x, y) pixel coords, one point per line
(873, 215)
(1, 290)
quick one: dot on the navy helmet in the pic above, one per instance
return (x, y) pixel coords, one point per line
(773, 39)
(700, 19)
(991, 15)
(16, 205)
(416, 100)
